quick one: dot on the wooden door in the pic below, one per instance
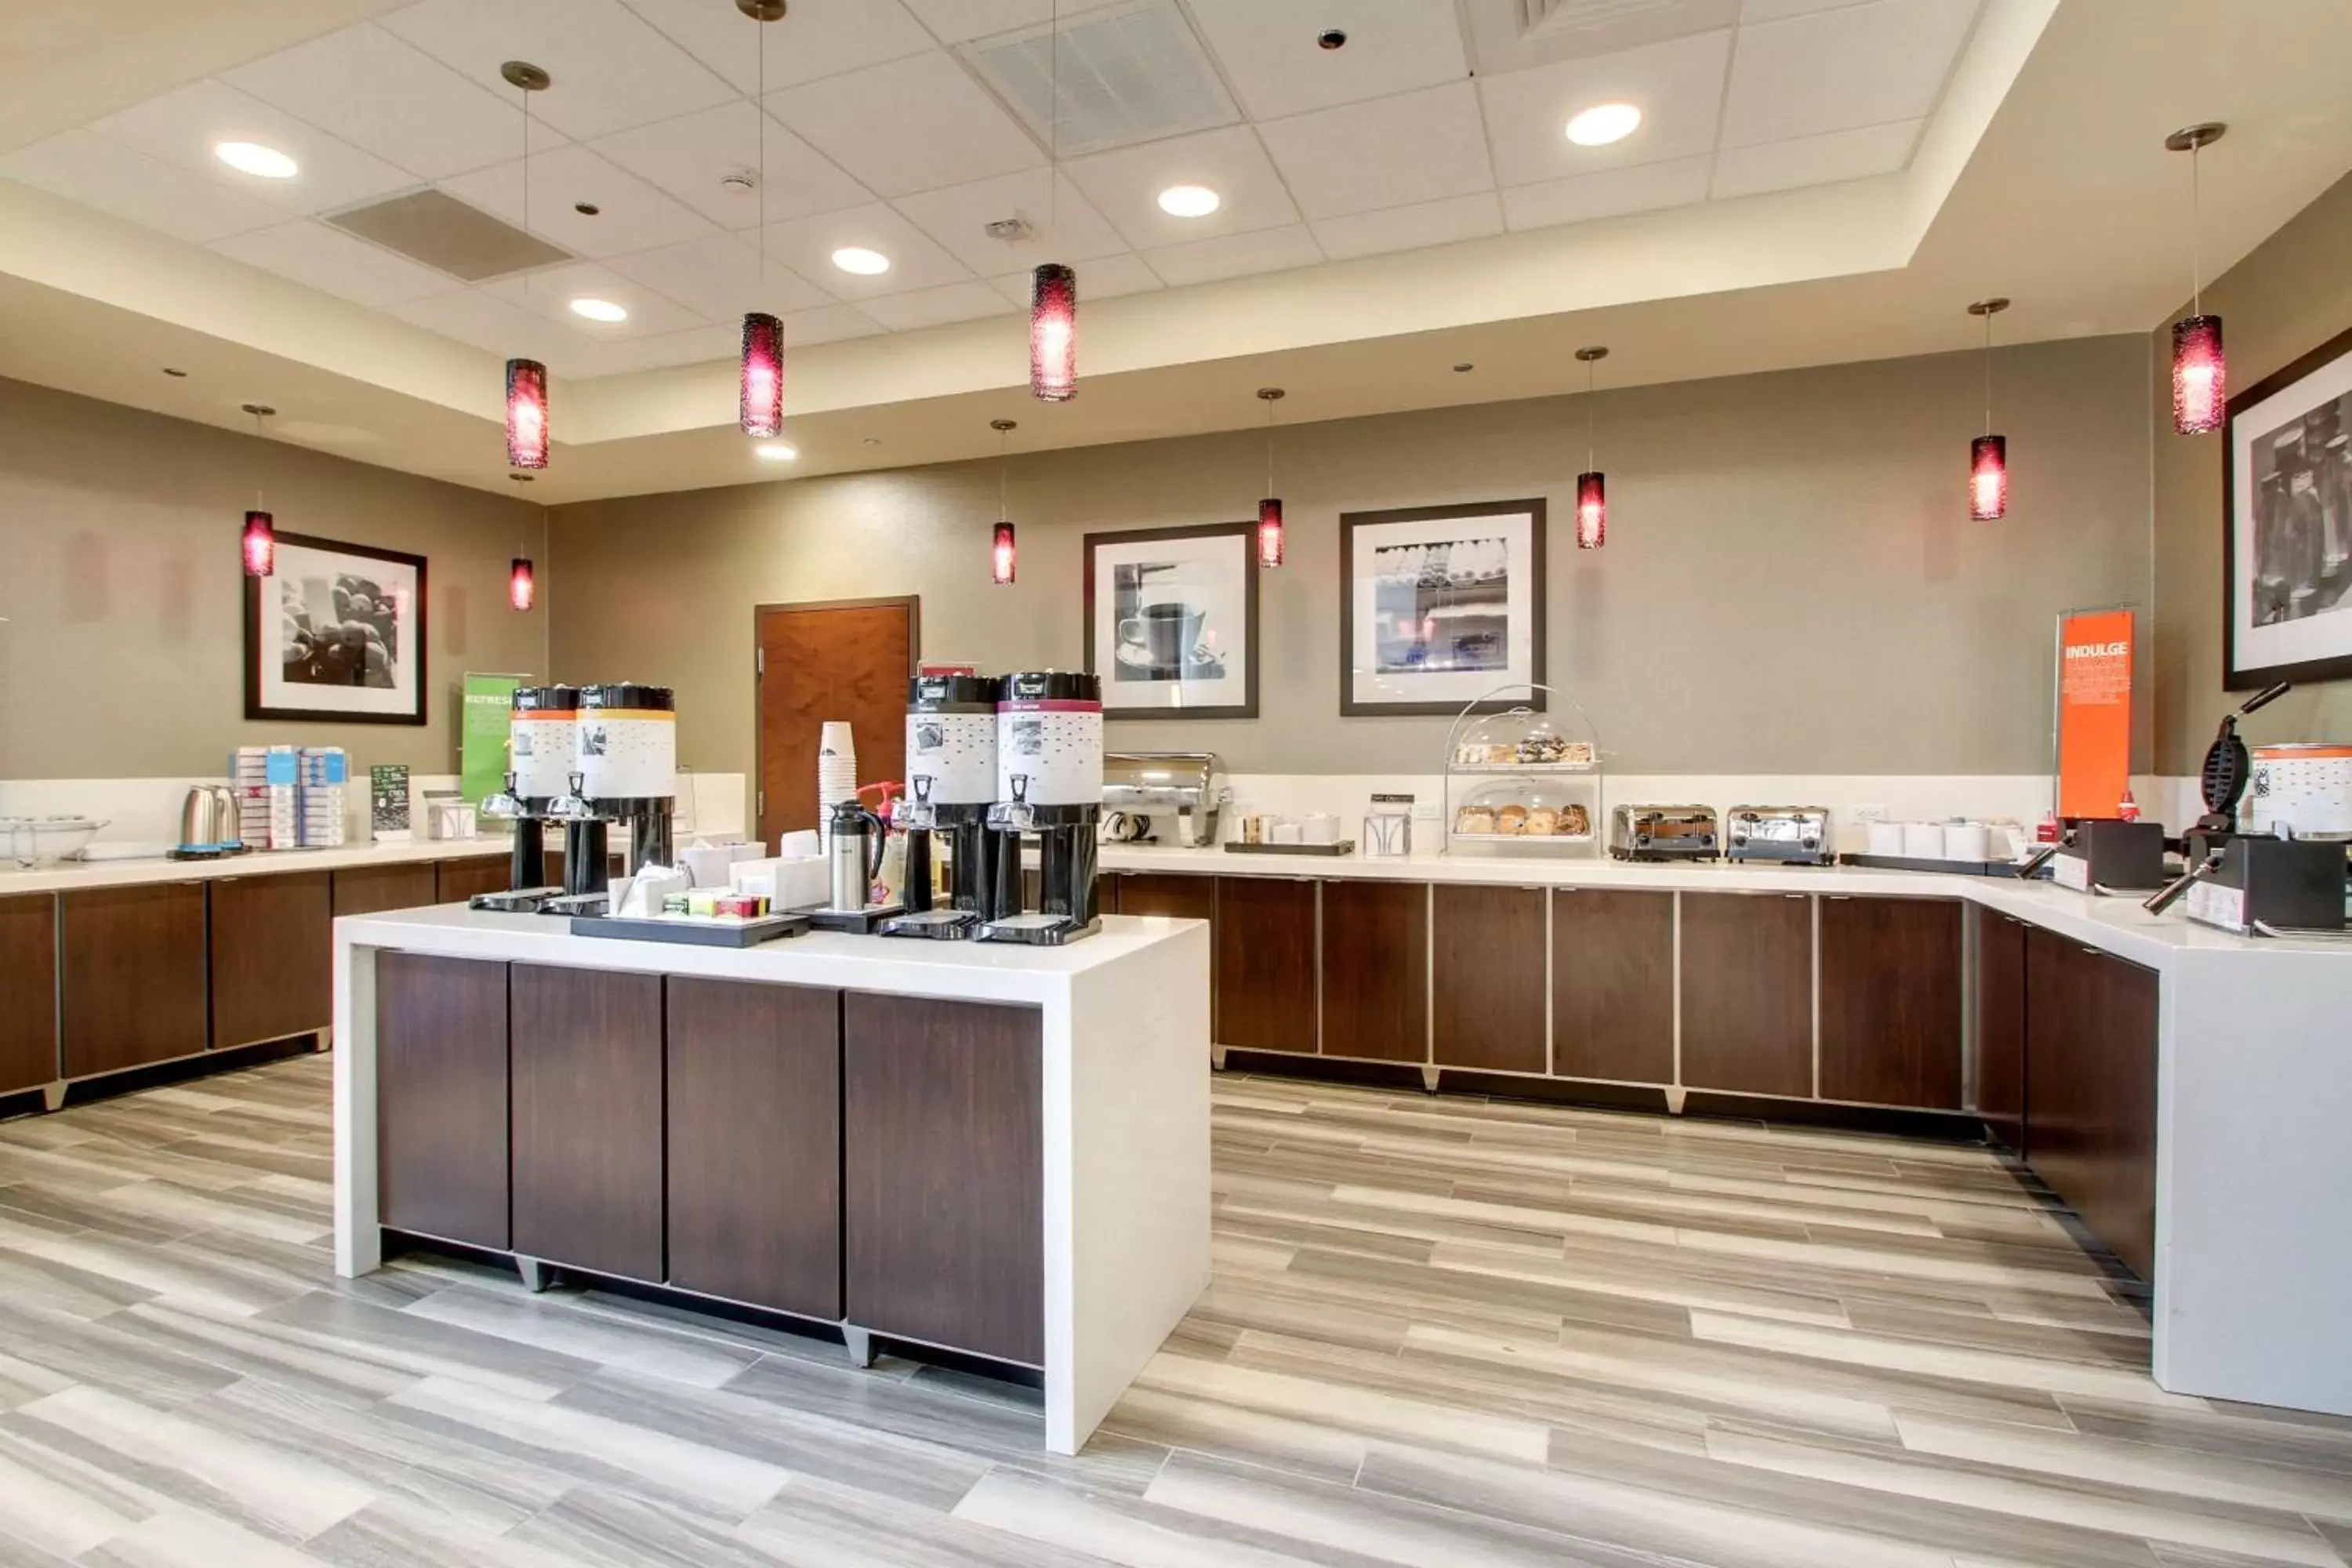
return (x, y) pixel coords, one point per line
(134, 976)
(1747, 993)
(1265, 963)
(587, 1047)
(1488, 978)
(2000, 1026)
(441, 1096)
(28, 991)
(1891, 1013)
(273, 957)
(1612, 985)
(754, 1156)
(943, 1218)
(848, 658)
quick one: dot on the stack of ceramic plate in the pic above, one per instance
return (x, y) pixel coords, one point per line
(836, 769)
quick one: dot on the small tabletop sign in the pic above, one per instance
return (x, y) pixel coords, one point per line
(388, 818)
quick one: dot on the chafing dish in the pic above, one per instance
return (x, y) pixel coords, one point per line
(1141, 789)
(1792, 835)
(1663, 832)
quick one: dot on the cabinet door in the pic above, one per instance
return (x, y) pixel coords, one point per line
(1159, 893)
(441, 1096)
(1265, 963)
(1747, 993)
(943, 1177)
(2090, 1092)
(371, 890)
(1376, 970)
(273, 957)
(1612, 985)
(1891, 1013)
(587, 1055)
(1487, 977)
(2124, 1214)
(28, 991)
(134, 976)
(458, 881)
(2000, 1026)
(754, 1151)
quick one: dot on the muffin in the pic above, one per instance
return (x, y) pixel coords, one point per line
(1512, 819)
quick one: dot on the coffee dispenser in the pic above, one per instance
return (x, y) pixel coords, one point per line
(626, 772)
(1049, 783)
(542, 751)
(951, 785)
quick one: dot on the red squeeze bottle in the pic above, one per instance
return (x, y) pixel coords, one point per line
(2129, 808)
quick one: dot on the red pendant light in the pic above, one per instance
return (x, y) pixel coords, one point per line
(523, 588)
(2200, 372)
(1988, 453)
(1054, 333)
(526, 414)
(1001, 550)
(1592, 486)
(1001, 554)
(257, 546)
(763, 375)
(1269, 510)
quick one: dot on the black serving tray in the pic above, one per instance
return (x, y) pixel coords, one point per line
(1957, 867)
(856, 922)
(692, 933)
(1345, 846)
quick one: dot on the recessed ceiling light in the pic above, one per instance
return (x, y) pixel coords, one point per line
(253, 158)
(1190, 201)
(597, 310)
(864, 262)
(776, 451)
(1603, 123)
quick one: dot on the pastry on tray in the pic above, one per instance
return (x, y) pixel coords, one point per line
(1512, 819)
(1474, 819)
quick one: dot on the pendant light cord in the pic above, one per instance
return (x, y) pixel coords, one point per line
(1053, 129)
(760, 129)
(2196, 233)
(1269, 447)
(260, 496)
(1987, 321)
(1591, 412)
(1003, 476)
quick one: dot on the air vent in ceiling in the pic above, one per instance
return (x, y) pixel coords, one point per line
(443, 231)
(1542, 16)
(1517, 35)
(1128, 73)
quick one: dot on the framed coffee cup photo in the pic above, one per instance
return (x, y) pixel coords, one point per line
(1171, 621)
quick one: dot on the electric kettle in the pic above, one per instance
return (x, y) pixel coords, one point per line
(208, 824)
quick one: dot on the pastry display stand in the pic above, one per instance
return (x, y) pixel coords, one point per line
(1516, 779)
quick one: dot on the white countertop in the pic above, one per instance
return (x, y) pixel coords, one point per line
(64, 876)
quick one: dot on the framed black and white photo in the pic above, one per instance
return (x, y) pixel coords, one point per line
(1171, 621)
(2288, 543)
(336, 635)
(1439, 605)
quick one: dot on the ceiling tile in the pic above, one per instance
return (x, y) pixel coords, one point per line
(1270, 55)
(331, 260)
(612, 70)
(936, 307)
(1776, 10)
(954, 21)
(1409, 228)
(828, 324)
(1125, 185)
(83, 166)
(1415, 147)
(549, 294)
(720, 278)
(631, 214)
(1067, 228)
(1611, 193)
(1815, 160)
(1521, 35)
(1676, 85)
(390, 99)
(659, 351)
(1861, 64)
(816, 39)
(1236, 255)
(806, 246)
(488, 323)
(1104, 277)
(687, 157)
(915, 125)
(183, 125)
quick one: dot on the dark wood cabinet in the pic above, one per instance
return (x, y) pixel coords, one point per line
(1891, 1008)
(943, 1180)
(133, 975)
(1612, 985)
(272, 957)
(1159, 893)
(2090, 1090)
(28, 991)
(1376, 970)
(2000, 1026)
(455, 881)
(1487, 978)
(441, 1096)
(1265, 963)
(371, 890)
(586, 1050)
(754, 1143)
(1747, 993)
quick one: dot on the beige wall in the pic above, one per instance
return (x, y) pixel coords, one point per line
(1792, 584)
(121, 655)
(2291, 295)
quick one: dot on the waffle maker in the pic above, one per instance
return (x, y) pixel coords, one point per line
(2222, 783)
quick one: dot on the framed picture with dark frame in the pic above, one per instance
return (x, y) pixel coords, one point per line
(1171, 621)
(2287, 537)
(336, 635)
(1439, 605)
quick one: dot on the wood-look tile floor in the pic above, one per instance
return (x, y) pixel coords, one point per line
(1442, 1331)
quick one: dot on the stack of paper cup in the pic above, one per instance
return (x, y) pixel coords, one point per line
(836, 769)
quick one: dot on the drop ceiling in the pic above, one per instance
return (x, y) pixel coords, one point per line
(1414, 184)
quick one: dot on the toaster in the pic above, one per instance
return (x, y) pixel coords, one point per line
(1663, 832)
(1792, 835)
